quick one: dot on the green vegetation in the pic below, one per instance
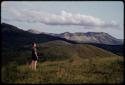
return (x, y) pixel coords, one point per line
(62, 62)
(74, 70)
(60, 50)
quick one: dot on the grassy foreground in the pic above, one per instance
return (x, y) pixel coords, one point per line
(75, 70)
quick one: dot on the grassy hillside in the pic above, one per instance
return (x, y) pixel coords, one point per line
(72, 71)
(116, 49)
(63, 50)
(62, 62)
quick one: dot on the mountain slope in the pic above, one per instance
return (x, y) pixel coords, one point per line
(90, 37)
(56, 50)
(116, 49)
(15, 37)
(60, 50)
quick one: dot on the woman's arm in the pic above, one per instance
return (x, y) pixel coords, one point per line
(35, 52)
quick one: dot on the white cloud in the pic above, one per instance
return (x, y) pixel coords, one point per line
(62, 18)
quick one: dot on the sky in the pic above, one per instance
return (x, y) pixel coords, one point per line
(65, 16)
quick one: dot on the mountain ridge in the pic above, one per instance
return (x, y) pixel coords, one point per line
(85, 37)
(90, 37)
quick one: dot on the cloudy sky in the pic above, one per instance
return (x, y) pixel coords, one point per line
(65, 16)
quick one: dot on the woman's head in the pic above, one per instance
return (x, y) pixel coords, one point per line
(33, 44)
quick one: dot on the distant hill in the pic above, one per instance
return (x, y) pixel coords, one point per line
(59, 50)
(34, 31)
(15, 37)
(90, 37)
(116, 49)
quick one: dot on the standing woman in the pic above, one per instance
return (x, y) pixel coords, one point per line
(34, 56)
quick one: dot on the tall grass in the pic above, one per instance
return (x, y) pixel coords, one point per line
(75, 70)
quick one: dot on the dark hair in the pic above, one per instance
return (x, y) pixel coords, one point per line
(33, 43)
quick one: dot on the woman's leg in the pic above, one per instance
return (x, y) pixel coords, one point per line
(35, 63)
(32, 64)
